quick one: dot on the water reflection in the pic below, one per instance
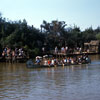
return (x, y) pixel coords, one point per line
(77, 82)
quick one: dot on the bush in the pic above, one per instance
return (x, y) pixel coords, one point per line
(33, 53)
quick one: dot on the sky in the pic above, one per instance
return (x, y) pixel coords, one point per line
(83, 13)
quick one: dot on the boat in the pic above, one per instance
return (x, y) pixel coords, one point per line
(43, 62)
(30, 64)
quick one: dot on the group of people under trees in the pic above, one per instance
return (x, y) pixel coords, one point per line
(13, 53)
(63, 50)
(67, 50)
(63, 61)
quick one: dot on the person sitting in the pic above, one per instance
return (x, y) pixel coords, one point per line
(49, 62)
(38, 61)
(87, 59)
(52, 61)
(79, 60)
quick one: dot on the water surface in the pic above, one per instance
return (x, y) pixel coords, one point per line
(79, 82)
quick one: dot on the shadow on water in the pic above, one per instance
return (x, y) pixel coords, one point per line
(95, 59)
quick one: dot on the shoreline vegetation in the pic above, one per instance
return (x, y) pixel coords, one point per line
(18, 40)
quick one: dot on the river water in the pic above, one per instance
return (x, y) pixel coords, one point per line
(79, 82)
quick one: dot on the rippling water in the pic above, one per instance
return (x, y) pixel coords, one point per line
(81, 82)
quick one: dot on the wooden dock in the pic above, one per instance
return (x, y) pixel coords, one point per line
(13, 59)
(74, 53)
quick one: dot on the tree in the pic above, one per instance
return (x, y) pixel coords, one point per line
(89, 35)
(54, 32)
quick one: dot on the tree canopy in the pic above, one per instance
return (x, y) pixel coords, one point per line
(55, 33)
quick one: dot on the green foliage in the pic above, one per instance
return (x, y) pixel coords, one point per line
(33, 52)
(89, 35)
(19, 34)
(36, 51)
(98, 36)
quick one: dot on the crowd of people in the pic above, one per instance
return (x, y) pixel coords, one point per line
(13, 53)
(67, 50)
(63, 61)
